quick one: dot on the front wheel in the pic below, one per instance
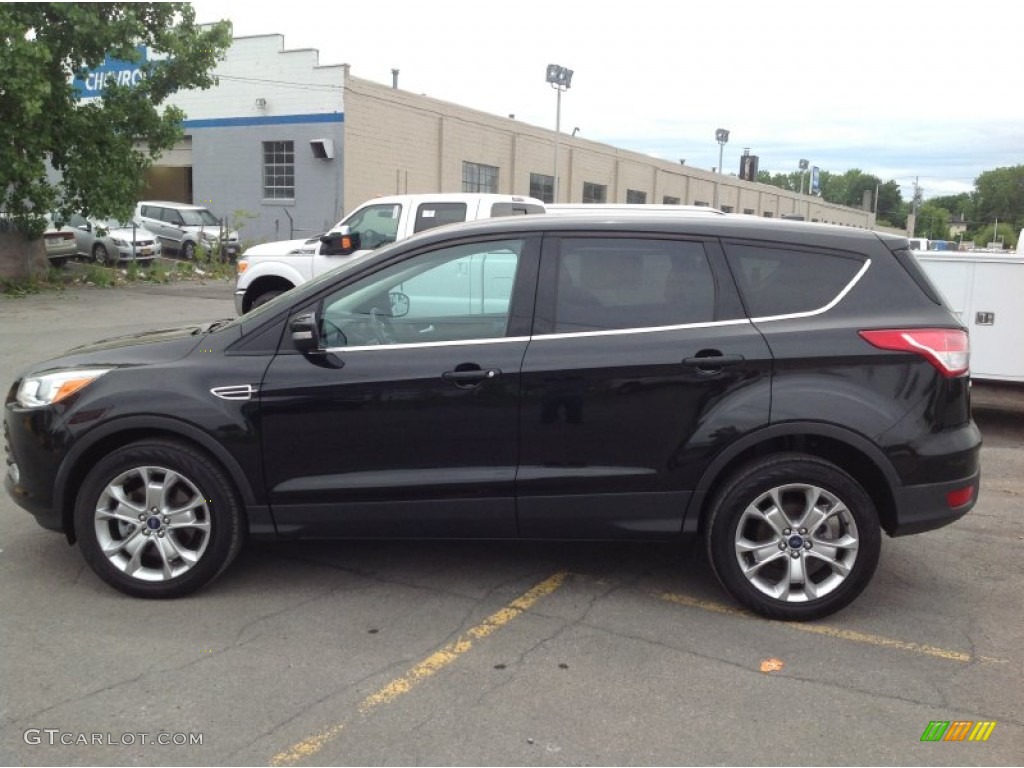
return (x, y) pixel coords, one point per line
(188, 250)
(263, 298)
(158, 519)
(100, 254)
(793, 537)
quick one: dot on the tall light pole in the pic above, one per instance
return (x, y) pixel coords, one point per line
(560, 79)
(722, 137)
(803, 170)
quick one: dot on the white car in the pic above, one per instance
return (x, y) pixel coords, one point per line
(182, 228)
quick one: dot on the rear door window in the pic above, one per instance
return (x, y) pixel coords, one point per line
(621, 283)
(778, 281)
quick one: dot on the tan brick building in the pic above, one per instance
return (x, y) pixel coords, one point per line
(287, 146)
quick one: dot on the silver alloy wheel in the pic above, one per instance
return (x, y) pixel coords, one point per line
(152, 524)
(796, 542)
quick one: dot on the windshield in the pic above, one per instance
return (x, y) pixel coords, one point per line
(199, 218)
(115, 224)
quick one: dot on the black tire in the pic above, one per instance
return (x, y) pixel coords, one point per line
(832, 557)
(147, 554)
(188, 250)
(100, 253)
(59, 262)
(263, 298)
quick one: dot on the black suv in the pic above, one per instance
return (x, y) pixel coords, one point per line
(787, 390)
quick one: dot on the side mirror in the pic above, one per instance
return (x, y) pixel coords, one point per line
(304, 332)
(340, 243)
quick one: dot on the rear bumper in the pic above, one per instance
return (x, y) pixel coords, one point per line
(926, 507)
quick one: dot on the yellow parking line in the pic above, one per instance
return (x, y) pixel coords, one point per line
(426, 668)
(834, 632)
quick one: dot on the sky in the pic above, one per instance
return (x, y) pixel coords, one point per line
(903, 90)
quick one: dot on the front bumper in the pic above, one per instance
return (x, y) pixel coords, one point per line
(30, 469)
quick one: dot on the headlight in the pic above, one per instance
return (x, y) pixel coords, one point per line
(119, 242)
(49, 388)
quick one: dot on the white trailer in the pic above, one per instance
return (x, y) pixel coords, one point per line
(986, 290)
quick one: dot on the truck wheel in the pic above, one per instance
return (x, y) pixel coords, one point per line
(158, 519)
(793, 537)
(263, 298)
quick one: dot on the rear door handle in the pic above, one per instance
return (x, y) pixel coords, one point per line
(709, 362)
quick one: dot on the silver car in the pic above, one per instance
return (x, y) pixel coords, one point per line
(110, 241)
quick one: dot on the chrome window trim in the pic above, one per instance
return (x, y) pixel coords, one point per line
(652, 329)
(540, 337)
(839, 297)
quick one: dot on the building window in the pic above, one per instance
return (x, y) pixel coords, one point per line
(635, 197)
(667, 200)
(595, 193)
(479, 178)
(749, 211)
(768, 214)
(727, 209)
(702, 203)
(279, 170)
(542, 187)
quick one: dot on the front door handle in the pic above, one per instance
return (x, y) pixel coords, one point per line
(471, 377)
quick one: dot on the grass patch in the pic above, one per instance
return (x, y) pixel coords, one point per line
(53, 279)
(101, 277)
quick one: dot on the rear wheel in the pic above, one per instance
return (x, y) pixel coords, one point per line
(793, 537)
(158, 519)
(188, 250)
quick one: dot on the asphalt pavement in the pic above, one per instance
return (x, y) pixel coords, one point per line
(477, 653)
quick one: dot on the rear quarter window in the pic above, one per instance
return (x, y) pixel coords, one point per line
(787, 281)
(430, 215)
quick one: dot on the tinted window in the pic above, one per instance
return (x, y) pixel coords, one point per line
(632, 283)
(430, 215)
(781, 281)
(171, 216)
(453, 294)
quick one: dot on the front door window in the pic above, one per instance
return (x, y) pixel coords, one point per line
(462, 293)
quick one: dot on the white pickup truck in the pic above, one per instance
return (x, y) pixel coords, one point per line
(266, 271)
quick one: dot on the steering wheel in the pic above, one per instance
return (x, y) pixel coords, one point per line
(382, 327)
(333, 336)
(370, 238)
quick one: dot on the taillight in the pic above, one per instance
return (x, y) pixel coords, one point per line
(947, 349)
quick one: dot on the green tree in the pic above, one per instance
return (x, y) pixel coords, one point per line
(999, 194)
(891, 210)
(99, 148)
(959, 205)
(932, 222)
